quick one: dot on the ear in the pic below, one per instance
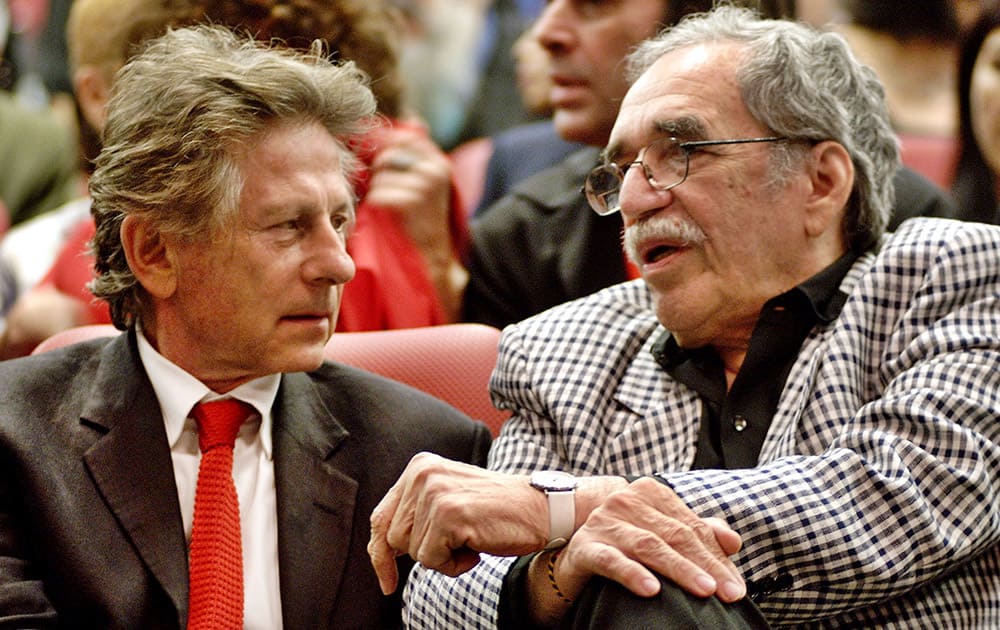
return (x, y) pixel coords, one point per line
(92, 90)
(831, 179)
(149, 256)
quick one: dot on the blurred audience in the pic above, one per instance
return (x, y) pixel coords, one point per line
(497, 104)
(540, 245)
(977, 178)
(914, 51)
(456, 57)
(37, 154)
(521, 151)
(438, 58)
(38, 161)
(410, 233)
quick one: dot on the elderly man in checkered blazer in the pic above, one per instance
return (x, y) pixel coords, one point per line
(792, 419)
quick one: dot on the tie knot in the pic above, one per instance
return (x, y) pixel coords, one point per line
(219, 422)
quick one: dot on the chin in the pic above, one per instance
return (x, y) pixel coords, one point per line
(305, 359)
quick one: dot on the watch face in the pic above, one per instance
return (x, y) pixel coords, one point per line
(553, 480)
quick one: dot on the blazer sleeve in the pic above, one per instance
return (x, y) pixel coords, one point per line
(23, 602)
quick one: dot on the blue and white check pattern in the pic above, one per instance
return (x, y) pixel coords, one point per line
(877, 495)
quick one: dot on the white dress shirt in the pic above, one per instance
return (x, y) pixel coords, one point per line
(253, 472)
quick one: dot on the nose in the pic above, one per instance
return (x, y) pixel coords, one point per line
(553, 28)
(327, 260)
(638, 198)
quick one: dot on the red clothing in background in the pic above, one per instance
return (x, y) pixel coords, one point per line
(391, 289)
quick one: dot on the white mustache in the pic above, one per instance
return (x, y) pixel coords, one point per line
(670, 228)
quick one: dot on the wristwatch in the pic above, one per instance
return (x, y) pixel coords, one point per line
(560, 489)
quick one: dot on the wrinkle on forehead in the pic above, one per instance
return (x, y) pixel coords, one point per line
(690, 87)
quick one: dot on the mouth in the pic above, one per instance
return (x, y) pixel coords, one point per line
(563, 80)
(307, 318)
(655, 253)
(657, 241)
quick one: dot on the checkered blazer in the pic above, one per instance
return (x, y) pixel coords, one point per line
(876, 499)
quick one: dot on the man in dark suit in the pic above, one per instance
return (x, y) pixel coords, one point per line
(222, 204)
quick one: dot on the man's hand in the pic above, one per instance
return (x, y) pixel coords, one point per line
(443, 513)
(412, 177)
(647, 528)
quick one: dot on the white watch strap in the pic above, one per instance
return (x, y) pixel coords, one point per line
(562, 517)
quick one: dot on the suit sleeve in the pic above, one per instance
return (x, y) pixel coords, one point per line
(23, 603)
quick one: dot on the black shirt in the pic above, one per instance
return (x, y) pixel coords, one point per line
(734, 423)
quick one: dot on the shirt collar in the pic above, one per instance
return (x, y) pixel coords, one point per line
(823, 290)
(177, 392)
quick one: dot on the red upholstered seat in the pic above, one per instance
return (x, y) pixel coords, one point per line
(934, 157)
(452, 362)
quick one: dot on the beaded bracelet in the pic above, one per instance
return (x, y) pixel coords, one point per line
(551, 566)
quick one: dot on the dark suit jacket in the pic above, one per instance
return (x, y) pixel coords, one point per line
(542, 245)
(90, 528)
(519, 153)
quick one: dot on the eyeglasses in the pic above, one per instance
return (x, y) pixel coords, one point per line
(665, 163)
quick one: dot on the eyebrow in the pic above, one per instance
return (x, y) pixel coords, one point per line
(684, 128)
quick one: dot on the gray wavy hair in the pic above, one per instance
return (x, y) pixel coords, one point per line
(180, 114)
(805, 85)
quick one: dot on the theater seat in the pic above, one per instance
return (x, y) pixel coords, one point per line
(452, 362)
(75, 335)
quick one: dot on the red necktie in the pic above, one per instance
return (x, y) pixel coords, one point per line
(216, 563)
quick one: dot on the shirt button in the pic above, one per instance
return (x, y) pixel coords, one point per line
(739, 423)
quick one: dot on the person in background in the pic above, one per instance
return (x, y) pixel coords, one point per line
(977, 176)
(915, 54)
(497, 104)
(540, 245)
(411, 231)
(521, 151)
(102, 35)
(222, 200)
(789, 420)
(439, 56)
(38, 165)
(37, 157)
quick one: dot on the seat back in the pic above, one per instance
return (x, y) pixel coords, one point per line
(452, 362)
(75, 335)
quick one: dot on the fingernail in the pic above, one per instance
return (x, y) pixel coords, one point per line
(733, 591)
(651, 586)
(706, 583)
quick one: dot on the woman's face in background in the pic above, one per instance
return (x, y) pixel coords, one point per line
(984, 100)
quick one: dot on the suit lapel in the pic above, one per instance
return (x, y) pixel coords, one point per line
(131, 465)
(781, 436)
(650, 402)
(316, 503)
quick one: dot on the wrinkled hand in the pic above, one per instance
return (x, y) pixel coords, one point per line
(647, 528)
(412, 177)
(443, 513)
